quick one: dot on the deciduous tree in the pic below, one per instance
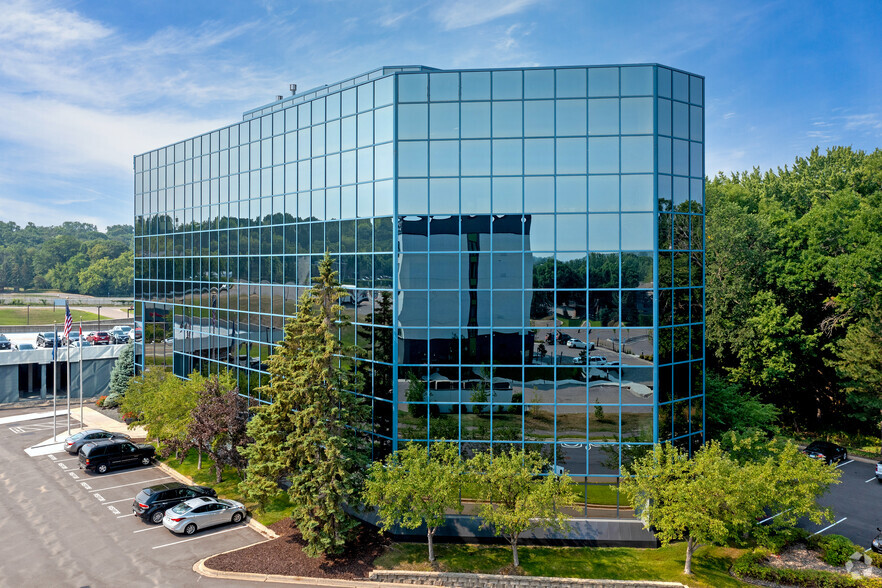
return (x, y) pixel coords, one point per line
(516, 498)
(218, 422)
(416, 486)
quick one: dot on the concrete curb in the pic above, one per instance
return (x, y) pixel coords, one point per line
(259, 527)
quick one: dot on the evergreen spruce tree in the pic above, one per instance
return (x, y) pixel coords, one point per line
(123, 370)
(309, 434)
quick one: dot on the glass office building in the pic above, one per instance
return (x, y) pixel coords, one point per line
(523, 251)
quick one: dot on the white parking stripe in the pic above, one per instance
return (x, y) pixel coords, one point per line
(201, 537)
(131, 514)
(150, 529)
(30, 417)
(844, 463)
(132, 484)
(56, 460)
(115, 501)
(123, 473)
(871, 479)
(767, 519)
(828, 527)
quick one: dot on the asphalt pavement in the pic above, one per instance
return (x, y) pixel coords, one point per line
(63, 526)
(855, 504)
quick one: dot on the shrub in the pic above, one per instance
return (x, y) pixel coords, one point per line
(835, 549)
(781, 538)
(750, 565)
(111, 400)
(100, 402)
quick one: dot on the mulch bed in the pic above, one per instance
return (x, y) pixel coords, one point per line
(285, 556)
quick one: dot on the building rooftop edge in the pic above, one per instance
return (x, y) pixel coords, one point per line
(388, 70)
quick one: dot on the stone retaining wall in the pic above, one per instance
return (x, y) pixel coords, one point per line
(451, 580)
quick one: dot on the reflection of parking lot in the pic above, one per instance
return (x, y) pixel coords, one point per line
(73, 527)
(855, 504)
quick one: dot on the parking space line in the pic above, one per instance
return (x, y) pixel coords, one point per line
(150, 529)
(129, 471)
(56, 460)
(131, 514)
(871, 479)
(98, 497)
(53, 458)
(132, 484)
(201, 537)
(828, 527)
(115, 501)
(85, 485)
(767, 519)
(844, 463)
(113, 510)
(61, 465)
(73, 475)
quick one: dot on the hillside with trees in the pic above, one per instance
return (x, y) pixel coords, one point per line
(74, 257)
(794, 292)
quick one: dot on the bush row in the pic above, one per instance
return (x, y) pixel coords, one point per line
(752, 565)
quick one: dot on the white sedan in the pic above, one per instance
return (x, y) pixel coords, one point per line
(202, 512)
(576, 344)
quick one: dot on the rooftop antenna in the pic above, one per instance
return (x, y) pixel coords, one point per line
(293, 88)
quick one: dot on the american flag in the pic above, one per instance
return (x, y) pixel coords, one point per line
(68, 321)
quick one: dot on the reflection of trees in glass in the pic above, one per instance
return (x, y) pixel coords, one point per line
(603, 270)
(416, 395)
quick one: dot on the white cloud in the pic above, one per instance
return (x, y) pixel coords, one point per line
(460, 14)
(25, 24)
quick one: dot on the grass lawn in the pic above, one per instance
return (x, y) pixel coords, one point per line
(41, 315)
(710, 565)
(278, 509)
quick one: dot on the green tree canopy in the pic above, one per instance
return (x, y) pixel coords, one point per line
(515, 497)
(416, 486)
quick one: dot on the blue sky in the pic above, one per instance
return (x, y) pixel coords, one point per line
(85, 85)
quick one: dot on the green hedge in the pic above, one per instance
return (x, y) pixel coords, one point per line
(751, 565)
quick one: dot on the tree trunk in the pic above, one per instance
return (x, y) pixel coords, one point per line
(199, 460)
(690, 548)
(431, 547)
(514, 551)
(219, 470)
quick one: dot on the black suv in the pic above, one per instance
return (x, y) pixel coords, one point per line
(151, 503)
(4, 342)
(115, 453)
(46, 339)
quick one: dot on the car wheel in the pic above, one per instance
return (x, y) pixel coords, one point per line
(102, 468)
(145, 461)
(845, 456)
(237, 517)
(190, 529)
(156, 517)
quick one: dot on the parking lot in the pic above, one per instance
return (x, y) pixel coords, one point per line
(76, 528)
(855, 503)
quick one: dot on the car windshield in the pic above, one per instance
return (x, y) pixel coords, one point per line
(181, 508)
(77, 436)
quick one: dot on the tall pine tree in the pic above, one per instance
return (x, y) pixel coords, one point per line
(309, 434)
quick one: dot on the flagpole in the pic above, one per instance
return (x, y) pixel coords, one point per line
(67, 356)
(55, 383)
(82, 426)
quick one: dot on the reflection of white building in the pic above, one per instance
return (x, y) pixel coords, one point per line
(457, 299)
